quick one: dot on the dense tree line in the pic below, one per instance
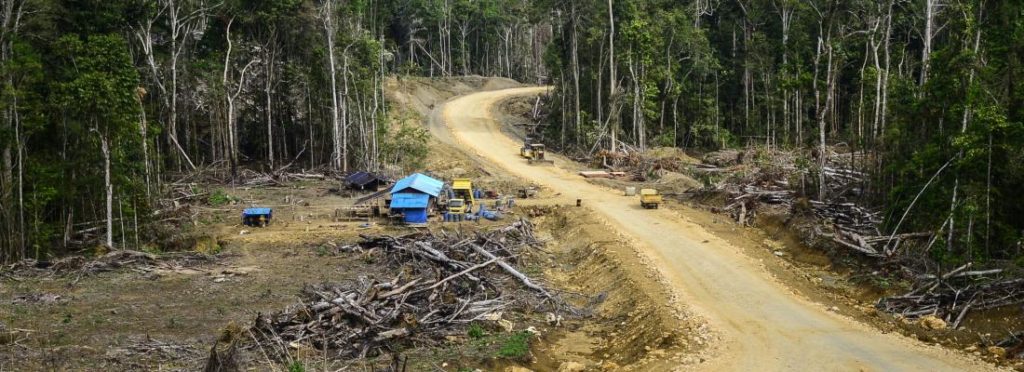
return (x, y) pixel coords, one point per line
(104, 102)
(928, 90)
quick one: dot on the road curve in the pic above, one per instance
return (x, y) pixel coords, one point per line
(764, 326)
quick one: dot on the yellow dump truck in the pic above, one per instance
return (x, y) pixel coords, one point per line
(462, 200)
(650, 199)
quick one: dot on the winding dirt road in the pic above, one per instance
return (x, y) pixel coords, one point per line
(764, 326)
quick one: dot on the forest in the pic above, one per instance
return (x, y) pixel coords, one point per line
(105, 102)
(926, 91)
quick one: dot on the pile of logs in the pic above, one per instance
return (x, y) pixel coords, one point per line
(951, 295)
(436, 284)
(751, 178)
(743, 199)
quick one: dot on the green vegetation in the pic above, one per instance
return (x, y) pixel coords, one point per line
(103, 104)
(476, 332)
(912, 100)
(516, 346)
(219, 198)
(296, 366)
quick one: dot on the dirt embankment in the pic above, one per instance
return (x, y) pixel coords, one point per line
(632, 326)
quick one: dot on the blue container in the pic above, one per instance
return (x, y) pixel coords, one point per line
(257, 217)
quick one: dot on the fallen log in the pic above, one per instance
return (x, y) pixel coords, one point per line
(508, 268)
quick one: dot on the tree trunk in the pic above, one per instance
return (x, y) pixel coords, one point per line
(108, 187)
(613, 82)
(931, 7)
(576, 73)
(327, 13)
(144, 133)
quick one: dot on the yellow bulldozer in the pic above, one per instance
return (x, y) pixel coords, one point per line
(535, 153)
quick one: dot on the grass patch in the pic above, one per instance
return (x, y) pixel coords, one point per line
(475, 332)
(218, 198)
(296, 366)
(516, 346)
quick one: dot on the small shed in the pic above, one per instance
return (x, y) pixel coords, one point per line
(412, 197)
(365, 181)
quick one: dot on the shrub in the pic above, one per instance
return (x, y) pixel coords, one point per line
(296, 366)
(516, 346)
(475, 331)
(218, 198)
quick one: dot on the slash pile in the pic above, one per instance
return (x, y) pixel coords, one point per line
(952, 295)
(122, 259)
(432, 285)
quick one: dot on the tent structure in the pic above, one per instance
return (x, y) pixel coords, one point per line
(413, 205)
(365, 181)
(418, 183)
(412, 196)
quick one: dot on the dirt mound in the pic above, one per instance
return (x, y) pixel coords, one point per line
(631, 325)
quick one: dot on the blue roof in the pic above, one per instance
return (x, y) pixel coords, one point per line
(409, 201)
(420, 183)
(257, 211)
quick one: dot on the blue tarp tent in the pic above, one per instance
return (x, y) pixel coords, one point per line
(409, 200)
(411, 197)
(418, 183)
(412, 205)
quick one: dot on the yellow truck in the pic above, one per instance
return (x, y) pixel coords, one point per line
(649, 198)
(462, 200)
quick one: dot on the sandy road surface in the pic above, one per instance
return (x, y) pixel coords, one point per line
(764, 326)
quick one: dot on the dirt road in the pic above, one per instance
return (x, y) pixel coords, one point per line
(764, 326)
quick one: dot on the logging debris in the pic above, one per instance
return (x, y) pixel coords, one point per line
(81, 266)
(952, 295)
(779, 181)
(153, 349)
(433, 285)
